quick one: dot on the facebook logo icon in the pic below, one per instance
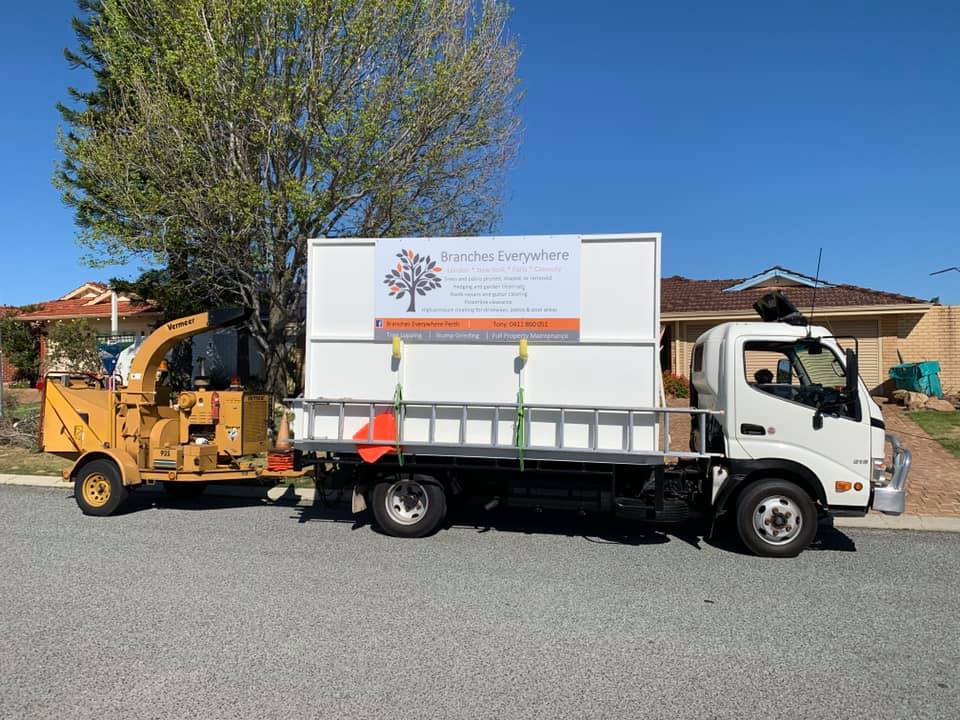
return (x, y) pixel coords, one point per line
(378, 323)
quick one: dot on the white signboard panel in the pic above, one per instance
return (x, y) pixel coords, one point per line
(607, 286)
(478, 290)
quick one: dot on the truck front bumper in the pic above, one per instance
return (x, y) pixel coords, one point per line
(890, 498)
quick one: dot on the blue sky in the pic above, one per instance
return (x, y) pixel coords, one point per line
(750, 134)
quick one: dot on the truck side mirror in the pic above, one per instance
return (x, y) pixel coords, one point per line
(853, 372)
(784, 372)
(818, 420)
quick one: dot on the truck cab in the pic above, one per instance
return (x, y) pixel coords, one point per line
(793, 409)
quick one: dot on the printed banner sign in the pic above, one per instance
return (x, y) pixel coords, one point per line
(478, 289)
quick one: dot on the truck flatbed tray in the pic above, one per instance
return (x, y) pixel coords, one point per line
(488, 430)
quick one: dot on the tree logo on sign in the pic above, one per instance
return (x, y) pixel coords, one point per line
(413, 275)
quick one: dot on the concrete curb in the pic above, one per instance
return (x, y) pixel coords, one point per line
(279, 493)
(289, 495)
(876, 521)
(47, 481)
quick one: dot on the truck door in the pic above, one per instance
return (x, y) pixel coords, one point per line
(779, 385)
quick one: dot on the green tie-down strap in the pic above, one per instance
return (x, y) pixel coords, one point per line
(519, 438)
(397, 405)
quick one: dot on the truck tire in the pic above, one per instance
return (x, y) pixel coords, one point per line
(184, 490)
(98, 488)
(409, 506)
(776, 518)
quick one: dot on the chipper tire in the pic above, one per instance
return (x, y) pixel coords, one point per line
(184, 490)
(99, 489)
(776, 518)
(409, 506)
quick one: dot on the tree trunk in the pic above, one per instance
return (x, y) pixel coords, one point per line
(412, 307)
(277, 357)
(283, 333)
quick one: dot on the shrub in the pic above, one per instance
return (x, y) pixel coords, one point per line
(676, 386)
(72, 347)
(21, 346)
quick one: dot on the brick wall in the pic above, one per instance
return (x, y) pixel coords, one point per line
(932, 336)
(7, 368)
(8, 371)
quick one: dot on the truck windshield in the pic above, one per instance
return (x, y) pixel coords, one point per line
(822, 369)
(796, 372)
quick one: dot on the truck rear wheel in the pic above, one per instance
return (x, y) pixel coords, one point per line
(776, 518)
(409, 505)
(98, 488)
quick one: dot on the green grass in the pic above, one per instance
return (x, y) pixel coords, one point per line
(944, 427)
(20, 461)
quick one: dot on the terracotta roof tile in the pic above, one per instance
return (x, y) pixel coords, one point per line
(80, 308)
(684, 295)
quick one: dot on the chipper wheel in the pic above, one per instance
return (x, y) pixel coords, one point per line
(98, 489)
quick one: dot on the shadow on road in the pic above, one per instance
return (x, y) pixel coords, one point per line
(594, 528)
(832, 538)
(148, 499)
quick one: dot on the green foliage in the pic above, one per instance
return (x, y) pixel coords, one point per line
(171, 289)
(21, 345)
(676, 385)
(223, 134)
(72, 347)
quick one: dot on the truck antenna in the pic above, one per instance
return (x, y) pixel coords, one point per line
(816, 284)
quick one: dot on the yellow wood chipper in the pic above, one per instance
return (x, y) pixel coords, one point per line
(121, 438)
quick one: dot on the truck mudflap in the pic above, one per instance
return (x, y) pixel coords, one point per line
(890, 499)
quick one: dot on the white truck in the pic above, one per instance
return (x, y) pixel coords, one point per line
(525, 370)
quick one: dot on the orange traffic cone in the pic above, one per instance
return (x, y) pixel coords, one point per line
(283, 434)
(280, 457)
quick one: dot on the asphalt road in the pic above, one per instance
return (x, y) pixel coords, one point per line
(222, 608)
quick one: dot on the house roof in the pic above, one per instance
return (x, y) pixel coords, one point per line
(90, 300)
(682, 295)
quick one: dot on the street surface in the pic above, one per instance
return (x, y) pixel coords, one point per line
(228, 608)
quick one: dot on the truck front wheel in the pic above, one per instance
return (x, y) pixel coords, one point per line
(409, 505)
(98, 488)
(776, 518)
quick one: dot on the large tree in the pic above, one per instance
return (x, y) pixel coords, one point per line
(221, 134)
